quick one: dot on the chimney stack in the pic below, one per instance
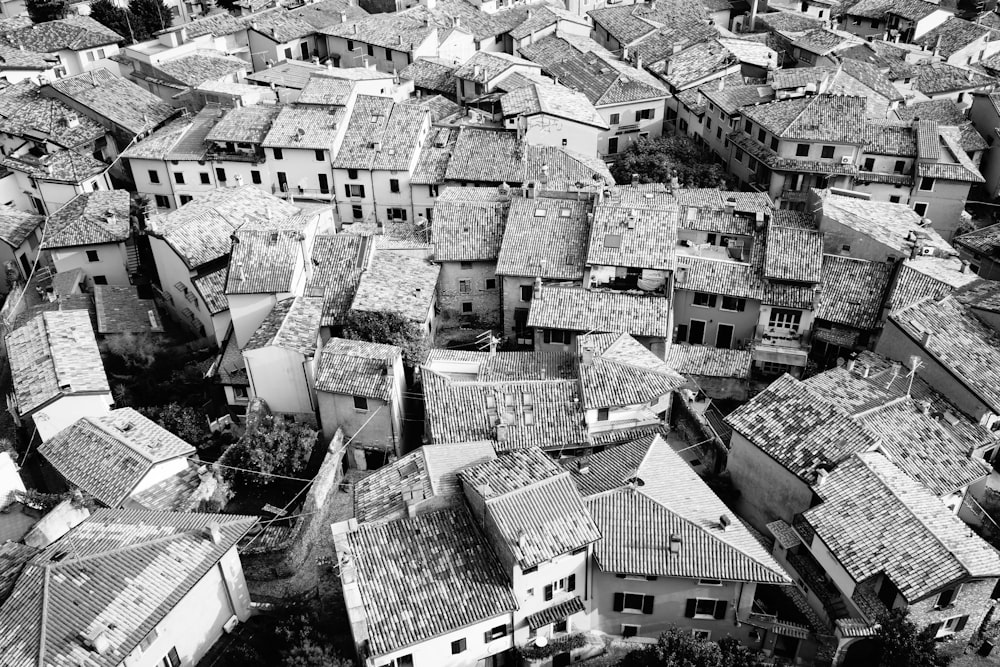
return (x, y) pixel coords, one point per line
(965, 266)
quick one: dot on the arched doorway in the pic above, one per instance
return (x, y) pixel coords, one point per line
(861, 653)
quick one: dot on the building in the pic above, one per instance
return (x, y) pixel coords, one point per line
(405, 285)
(19, 65)
(119, 310)
(483, 72)
(849, 310)
(359, 389)
(302, 142)
(57, 372)
(116, 456)
(900, 21)
(20, 232)
(338, 262)
(979, 248)
(960, 42)
(553, 116)
(985, 115)
(282, 35)
(93, 233)
(178, 610)
(79, 43)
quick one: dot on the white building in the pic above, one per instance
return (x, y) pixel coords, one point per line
(90, 233)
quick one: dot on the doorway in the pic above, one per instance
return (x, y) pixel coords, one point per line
(696, 334)
(724, 336)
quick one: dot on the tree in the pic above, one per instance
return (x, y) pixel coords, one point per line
(185, 422)
(901, 644)
(149, 17)
(111, 16)
(655, 161)
(391, 328)
(46, 10)
(278, 447)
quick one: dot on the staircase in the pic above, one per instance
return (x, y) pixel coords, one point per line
(131, 256)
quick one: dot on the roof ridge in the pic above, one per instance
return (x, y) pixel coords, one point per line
(120, 437)
(42, 625)
(538, 483)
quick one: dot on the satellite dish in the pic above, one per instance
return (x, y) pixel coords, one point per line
(541, 641)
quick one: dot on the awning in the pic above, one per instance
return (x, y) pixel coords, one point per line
(556, 612)
(780, 355)
(842, 336)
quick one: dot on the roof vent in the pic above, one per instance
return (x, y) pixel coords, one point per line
(96, 639)
(125, 426)
(675, 543)
(583, 466)
(725, 522)
(212, 532)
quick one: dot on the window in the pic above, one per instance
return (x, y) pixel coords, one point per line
(324, 184)
(635, 603)
(869, 164)
(179, 178)
(278, 155)
(101, 280)
(465, 265)
(739, 155)
(704, 300)
(774, 144)
(185, 199)
(559, 626)
(352, 174)
(172, 659)
(304, 50)
(783, 318)
(403, 661)
(205, 178)
(320, 154)
(947, 598)
(92, 256)
(557, 336)
(360, 403)
(464, 286)
(845, 248)
(350, 45)
(352, 190)
(396, 213)
(613, 145)
(154, 176)
(458, 646)
(393, 185)
(91, 56)
(602, 414)
(491, 283)
(920, 208)
(526, 291)
(645, 114)
(288, 53)
(162, 201)
(629, 630)
(220, 174)
(708, 123)
(496, 633)
(894, 199)
(255, 177)
(356, 212)
(388, 54)
(950, 626)
(748, 126)
(705, 608)
(718, 132)
(466, 306)
(370, 50)
(802, 150)
(875, 23)
(710, 582)
(282, 181)
(615, 119)
(827, 152)
(432, 190)
(926, 184)
(241, 393)
(498, 39)
(774, 368)
(734, 304)
(761, 135)
(701, 634)
(900, 167)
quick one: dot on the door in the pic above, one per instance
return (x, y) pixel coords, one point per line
(282, 181)
(724, 337)
(612, 145)
(305, 51)
(696, 332)
(26, 265)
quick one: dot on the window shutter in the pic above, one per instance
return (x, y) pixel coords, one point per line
(720, 609)
(622, 576)
(650, 578)
(548, 592)
(347, 189)
(619, 602)
(362, 188)
(932, 629)
(647, 604)
(546, 335)
(487, 637)
(691, 605)
(711, 300)
(961, 623)
(571, 583)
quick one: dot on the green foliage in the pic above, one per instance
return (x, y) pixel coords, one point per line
(111, 16)
(46, 10)
(903, 645)
(185, 422)
(679, 648)
(390, 328)
(136, 23)
(278, 447)
(558, 645)
(655, 161)
(133, 352)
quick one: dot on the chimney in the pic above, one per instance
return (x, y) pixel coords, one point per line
(865, 370)
(675, 544)
(456, 22)
(354, 29)
(722, 83)
(476, 71)
(725, 522)
(583, 466)
(965, 266)
(638, 61)
(343, 17)
(501, 432)
(926, 338)
(937, 46)
(537, 291)
(586, 355)
(850, 365)
(400, 40)
(821, 476)
(213, 532)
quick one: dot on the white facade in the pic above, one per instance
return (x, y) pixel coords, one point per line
(104, 263)
(436, 652)
(77, 62)
(284, 378)
(173, 272)
(66, 410)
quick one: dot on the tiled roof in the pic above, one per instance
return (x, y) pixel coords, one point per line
(709, 361)
(291, 74)
(293, 324)
(212, 287)
(327, 12)
(199, 232)
(716, 199)
(639, 238)
(326, 90)
(944, 111)
(606, 81)
(610, 469)
(885, 222)
(159, 144)
(381, 135)
(484, 66)
(817, 118)
(579, 309)
(694, 63)
(263, 262)
(399, 32)
(219, 24)
(888, 137)
(823, 40)
(869, 76)
(954, 34)
(120, 310)
(305, 127)
(853, 291)
(12, 58)
(469, 228)
(938, 77)
(358, 368)
(341, 259)
(535, 413)
(90, 218)
(197, 68)
(793, 254)
(545, 237)
(396, 282)
(177, 493)
(784, 163)
(912, 10)
(430, 472)
(623, 372)
(440, 107)
(735, 94)
(424, 577)
(552, 100)
(981, 295)
(77, 585)
(108, 456)
(557, 612)
(534, 505)
(502, 365)
(248, 124)
(789, 22)
(54, 354)
(798, 428)
(933, 277)
(16, 226)
(73, 33)
(750, 51)
(957, 340)
(913, 539)
(637, 523)
(982, 240)
(629, 23)
(431, 74)
(24, 111)
(118, 100)
(281, 26)
(65, 166)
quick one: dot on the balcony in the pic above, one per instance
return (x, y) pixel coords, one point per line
(783, 346)
(707, 251)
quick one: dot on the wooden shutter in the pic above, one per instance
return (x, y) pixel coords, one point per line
(720, 609)
(647, 604)
(488, 636)
(347, 189)
(619, 602)
(961, 623)
(692, 604)
(548, 592)
(712, 300)
(571, 582)
(932, 629)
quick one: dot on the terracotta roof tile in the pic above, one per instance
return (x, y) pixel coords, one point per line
(120, 310)
(358, 368)
(793, 254)
(635, 238)
(293, 324)
(709, 361)
(579, 309)
(853, 291)
(623, 372)
(469, 228)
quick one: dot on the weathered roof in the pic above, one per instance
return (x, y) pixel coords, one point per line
(292, 74)
(933, 277)
(935, 77)
(381, 135)
(108, 456)
(12, 58)
(983, 240)
(954, 34)
(116, 99)
(913, 10)
(327, 12)
(120, 310)
(281, 26)
(639, 238)
(793, 254)
(637, 523)
(622, 372)
(551, 100)
(885, 222)
(339, 260)
(833, 118)
(423, 577)
(54, 354)
(263, 261)
(468, 225)
(24, 111)
(536, 508)
(709, 361)
(603, 80)
(305, 128)
(244, 124)
(61, 166)
(914, 540)
(396, 282)
(501, 365)
(76, 585)
(485, 66)
(696, 62)
(579, 309)
(431, 74)
(73, 33)
(399, 32)
(628, 23)
(212, 287)
(358, 368)
(545, 237)
(293, 324)
(16, 226)
(197, 68)
(853, 291)
(326, 90)
(90, 218)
